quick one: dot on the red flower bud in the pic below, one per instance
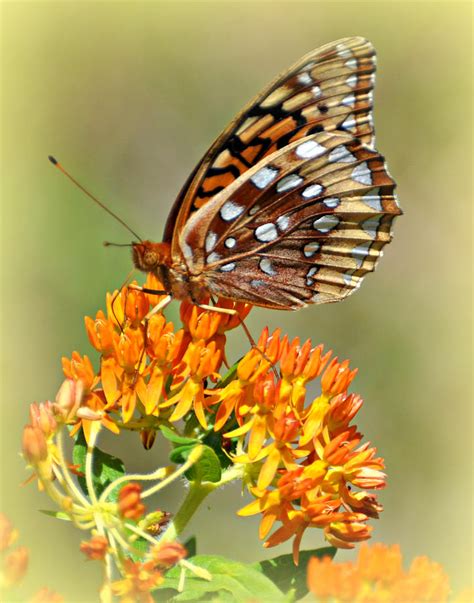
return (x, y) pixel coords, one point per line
(129, 500)
(95, 548)
(168, 553)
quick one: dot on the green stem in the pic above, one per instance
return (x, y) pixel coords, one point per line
(197, 492)
(89, 472)
(73, 489)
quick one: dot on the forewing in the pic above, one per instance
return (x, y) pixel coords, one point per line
(329, 89)
(303, 226)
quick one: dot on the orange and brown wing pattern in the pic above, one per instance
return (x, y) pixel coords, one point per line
(329, 89)
(304, 225)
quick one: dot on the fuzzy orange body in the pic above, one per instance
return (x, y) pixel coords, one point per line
(177, 281)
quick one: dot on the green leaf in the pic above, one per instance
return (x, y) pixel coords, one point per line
(105, 467)
(286, 575)
(191, 546)
(179, 454)
(57, 514)
(170, 435)
(215, 441)
(231, 581)
(207, 468)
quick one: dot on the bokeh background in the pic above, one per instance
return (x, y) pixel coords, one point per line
(129, 95)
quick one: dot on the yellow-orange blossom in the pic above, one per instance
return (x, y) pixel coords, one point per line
(303, 461)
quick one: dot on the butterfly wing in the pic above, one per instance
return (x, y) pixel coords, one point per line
(302, 226)
(329, 89)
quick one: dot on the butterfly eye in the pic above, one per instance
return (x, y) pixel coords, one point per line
(150, 259)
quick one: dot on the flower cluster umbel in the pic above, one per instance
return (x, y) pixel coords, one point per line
(302, 460)
(14, 565)
(378, 576)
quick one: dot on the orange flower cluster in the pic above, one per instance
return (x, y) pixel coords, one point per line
(14, 562)
(377, 576)
(314, 470)
(148, 368)
(140, 578)
(304, 462)
(14, 565)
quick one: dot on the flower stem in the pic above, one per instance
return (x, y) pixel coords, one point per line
(196, 494)
(72, 489)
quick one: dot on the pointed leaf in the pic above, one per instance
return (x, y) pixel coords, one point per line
(231, 581)
(105, 467)
(57, 514)
(170, 435)
(286, 575)
(207, 468)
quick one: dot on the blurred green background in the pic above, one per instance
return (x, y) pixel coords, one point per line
(129, 96)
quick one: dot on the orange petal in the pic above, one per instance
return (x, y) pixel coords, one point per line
(267, 472)
(257, 436)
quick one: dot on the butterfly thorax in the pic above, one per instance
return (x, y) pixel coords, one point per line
(156, 258)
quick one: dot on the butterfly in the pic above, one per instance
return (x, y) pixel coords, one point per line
(292, 204)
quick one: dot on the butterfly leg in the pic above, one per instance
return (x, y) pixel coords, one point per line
(161, 305)
(232, 312)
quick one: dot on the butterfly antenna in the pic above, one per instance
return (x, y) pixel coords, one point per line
(110, 244)
(56, 163)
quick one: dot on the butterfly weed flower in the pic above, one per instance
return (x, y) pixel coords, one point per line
(314, 208)
(378, 576)
(303, 462)
(14, 564)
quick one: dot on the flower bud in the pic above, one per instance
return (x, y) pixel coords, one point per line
(67, 504)
(41, 416)
(89, 414)
(95, 548)
(129, 501)
(8, 534)
(352, 528)
(15, 565)
(35, 447)
(286, 428)
(136, 306)
(147, 436)
(69, 398)
(337, 377)
(168, 554)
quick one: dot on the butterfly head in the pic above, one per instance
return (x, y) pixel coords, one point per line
(151, 257)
